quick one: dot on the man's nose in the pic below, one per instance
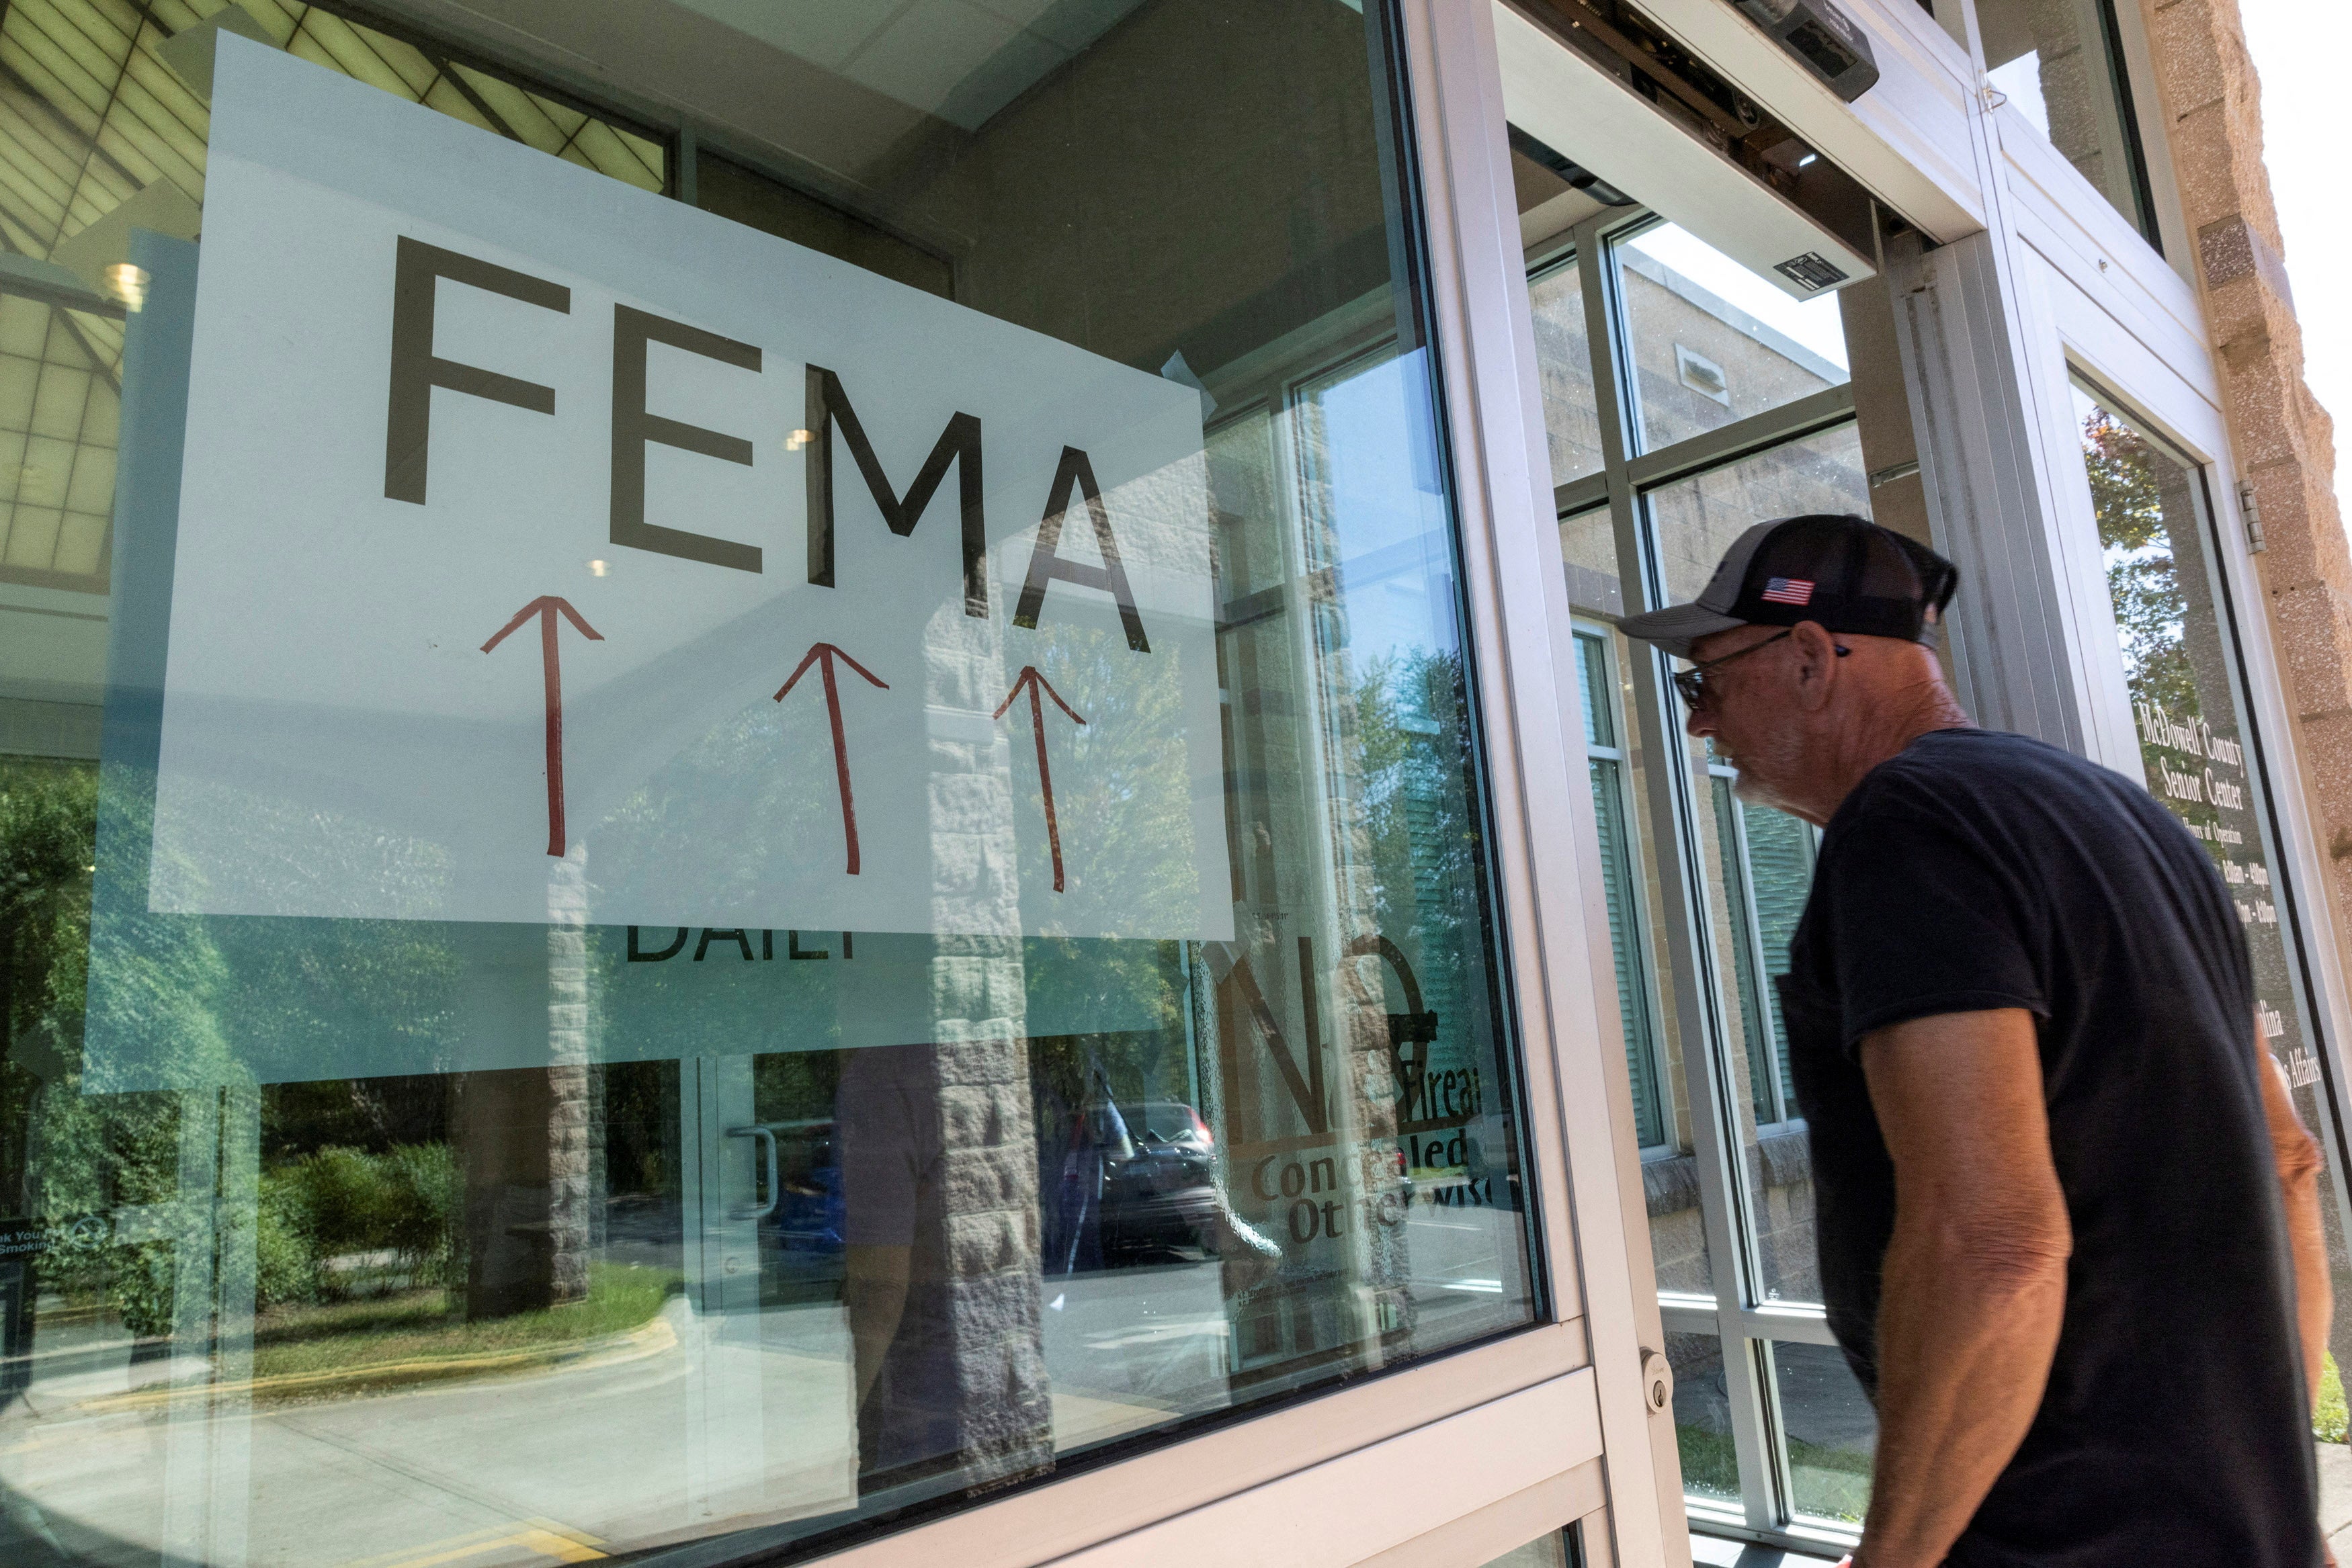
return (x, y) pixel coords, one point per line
(1700, 724)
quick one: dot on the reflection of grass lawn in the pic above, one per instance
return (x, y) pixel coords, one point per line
(416, 1325)
(1831, 1483)
(2327, 1421)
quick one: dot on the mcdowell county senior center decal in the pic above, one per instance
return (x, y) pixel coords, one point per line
(529, 520)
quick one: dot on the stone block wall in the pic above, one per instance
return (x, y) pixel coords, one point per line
(2210, 111)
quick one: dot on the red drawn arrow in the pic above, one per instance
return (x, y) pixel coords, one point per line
(546, 606)
(825, 653)
(1036, 683)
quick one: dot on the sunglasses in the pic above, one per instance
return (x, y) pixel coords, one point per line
(1692, 683)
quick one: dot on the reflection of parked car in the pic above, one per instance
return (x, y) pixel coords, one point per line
(1160, 1193)
(1163, 1192)
(1169, 1122)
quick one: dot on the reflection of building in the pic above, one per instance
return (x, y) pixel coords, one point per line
(332, 1237)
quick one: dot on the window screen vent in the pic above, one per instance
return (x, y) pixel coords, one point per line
(1813, 269)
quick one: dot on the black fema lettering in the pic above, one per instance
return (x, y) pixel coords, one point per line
(417, 270)
(958, 443)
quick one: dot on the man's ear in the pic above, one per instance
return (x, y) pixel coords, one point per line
(1817, 664)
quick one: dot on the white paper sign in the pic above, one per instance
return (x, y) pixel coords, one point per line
(450, 395)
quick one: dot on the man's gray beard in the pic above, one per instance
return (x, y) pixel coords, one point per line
(1781, 760)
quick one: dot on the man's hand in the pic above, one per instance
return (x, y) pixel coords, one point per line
(1975, 1274)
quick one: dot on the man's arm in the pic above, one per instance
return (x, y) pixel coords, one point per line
(2299, 1162)
(1975, 1276)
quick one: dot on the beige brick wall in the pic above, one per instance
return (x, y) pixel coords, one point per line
(2211, 110)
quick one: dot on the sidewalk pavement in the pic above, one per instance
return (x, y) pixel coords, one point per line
(2335, 1497)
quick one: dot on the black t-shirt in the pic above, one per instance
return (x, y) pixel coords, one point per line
(1979, 870)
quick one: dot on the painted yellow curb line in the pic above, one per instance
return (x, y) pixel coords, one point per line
(541, 1537)
(651, 1339)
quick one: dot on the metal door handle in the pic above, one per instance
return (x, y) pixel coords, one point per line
(775, 1183)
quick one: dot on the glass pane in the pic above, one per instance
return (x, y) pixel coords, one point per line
(1832, 1431)
(1624, 935)
(1588, 542)
(1780, 876)
(1757, 864)
(1646, 1010)
(1695, 520)
(2062, 68)
(1711, 341)
(1774, 854)
(1703, 1417)
(1772, 1184)
(1618, 870)
(1763, 869)
(1564, 368)
(2195, 743)
(1755, 1026)
(1101, 1034)
(1599, 690)
(1548, 1550)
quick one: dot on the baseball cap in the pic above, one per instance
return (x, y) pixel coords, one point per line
(1841, 571)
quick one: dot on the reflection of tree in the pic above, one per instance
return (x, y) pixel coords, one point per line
(47, 816)
(197, 1002)
(1413, 733)
(64, 1155)
(2179, 659)
(1426, 850)
(2143, 579)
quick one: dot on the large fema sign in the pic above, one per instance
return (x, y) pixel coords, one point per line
(530, 520)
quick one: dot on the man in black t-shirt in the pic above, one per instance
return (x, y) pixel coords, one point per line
(2068, 1222)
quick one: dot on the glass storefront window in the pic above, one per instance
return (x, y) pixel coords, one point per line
(1709, 342)
(949, 935)
(2197, 750)
(2060, 66)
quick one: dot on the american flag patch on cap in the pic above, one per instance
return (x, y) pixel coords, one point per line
(1789, 591)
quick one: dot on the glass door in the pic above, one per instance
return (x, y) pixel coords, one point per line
(1687, 398)
(2200, 754)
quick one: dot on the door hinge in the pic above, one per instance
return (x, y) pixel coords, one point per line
(2251, 508)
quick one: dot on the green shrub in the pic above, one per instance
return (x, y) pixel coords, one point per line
(285, 1261)
(425, 1189)
(346, 1202)
(139, 1288)
(2328, 1421)
(339, 1200)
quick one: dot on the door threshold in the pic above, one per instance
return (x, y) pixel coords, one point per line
(1714, 1551)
